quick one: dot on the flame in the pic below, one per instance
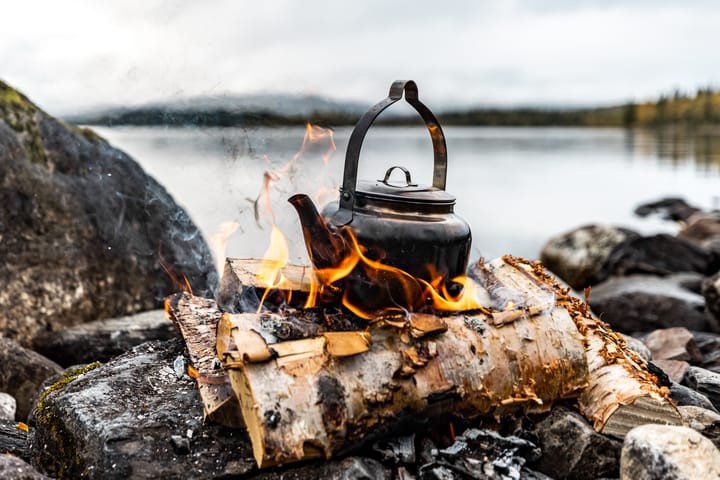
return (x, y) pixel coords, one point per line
(179, 281)
(314, 134)
(394, 286)
(275, 258)
(218, 242)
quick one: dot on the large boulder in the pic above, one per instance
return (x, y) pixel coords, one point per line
(84, 231)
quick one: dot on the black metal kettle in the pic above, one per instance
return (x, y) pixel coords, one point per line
(409, 226)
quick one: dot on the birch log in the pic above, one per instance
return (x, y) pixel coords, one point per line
(307, 402)
(622, 393)
(197, 319)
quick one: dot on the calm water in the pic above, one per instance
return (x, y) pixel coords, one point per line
(516, 187)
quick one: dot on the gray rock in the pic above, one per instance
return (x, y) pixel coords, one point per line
(14, 468)
(118, 421)
(103, 339)
(685, 396)
(83, 227)
(705, 382)
(667, 452)
(592, 455)
(711, 292)
(640, 303)
(709, 345)
(638, 346)
(670, 208)
(578, 257)
(676, 343)
(702, 420)
(660, 254)
(8, 406)
(13, 440)
(23, 372)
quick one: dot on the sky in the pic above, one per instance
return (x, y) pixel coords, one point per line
(74, 55)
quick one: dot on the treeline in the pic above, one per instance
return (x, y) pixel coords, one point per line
(679, 109)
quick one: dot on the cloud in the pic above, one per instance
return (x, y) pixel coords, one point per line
(72, 55)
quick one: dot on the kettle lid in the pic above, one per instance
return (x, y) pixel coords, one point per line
(403, 192)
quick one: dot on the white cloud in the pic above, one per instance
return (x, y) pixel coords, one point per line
(74, 54)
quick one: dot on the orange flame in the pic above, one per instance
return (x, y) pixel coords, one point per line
(275, 258)
(218, 242)
(399, 287)
(315, 134)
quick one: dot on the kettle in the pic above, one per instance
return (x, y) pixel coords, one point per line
(408, 226)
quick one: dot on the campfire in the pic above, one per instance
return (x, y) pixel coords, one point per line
(388, 323)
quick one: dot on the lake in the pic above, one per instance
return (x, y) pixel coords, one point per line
(516, 187)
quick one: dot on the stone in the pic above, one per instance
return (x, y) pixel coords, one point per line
(578, 257)
(479, 453)
(660, 254)
(705, 382)
(709, 345)
(592, 455)
(85, 232)
(13, 440)
(702, 420)
(711, 292)
(8, 406)
(669, 453)
(101, 340)
(685, 396)
(117, 421)
(642, 303)
(676, 343)
(670, 208)
(14, 468)
(674, 369)
(23, 372)
(638, 346)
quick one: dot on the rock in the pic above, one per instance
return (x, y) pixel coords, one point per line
(638, 346)
(578, 257)
(103, 339)
(639, 303)
(670, 208)
(702, 228)
(702, 420)
(668, 452)
(685, 396)
(13, 468)
(711, 292)
(23, 372)
(592, 455)
(481, 454)
(660, 254)
(13, 440)
(8, 406)
(709, 345)
(705, 382)
(118, 421)
(674, 369)
(84, 230)
(676, 343)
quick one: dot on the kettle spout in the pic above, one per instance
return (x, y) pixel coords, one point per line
(326, 247)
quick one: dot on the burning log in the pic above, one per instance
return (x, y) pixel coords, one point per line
(317, 396)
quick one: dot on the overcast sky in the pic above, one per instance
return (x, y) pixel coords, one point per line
(71, 55)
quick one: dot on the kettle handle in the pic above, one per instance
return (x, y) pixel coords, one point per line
(347, 192)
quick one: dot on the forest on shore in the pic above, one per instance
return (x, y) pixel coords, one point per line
(701, 108)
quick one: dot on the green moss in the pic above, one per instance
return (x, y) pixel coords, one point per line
(21, 115)
(68, 461)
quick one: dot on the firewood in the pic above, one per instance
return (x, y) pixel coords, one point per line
(622, 392)
(197, 319)
(310, 403)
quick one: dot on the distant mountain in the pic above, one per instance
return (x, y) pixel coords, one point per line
(228, 110)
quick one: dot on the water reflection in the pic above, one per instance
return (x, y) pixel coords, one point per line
(678, 146)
